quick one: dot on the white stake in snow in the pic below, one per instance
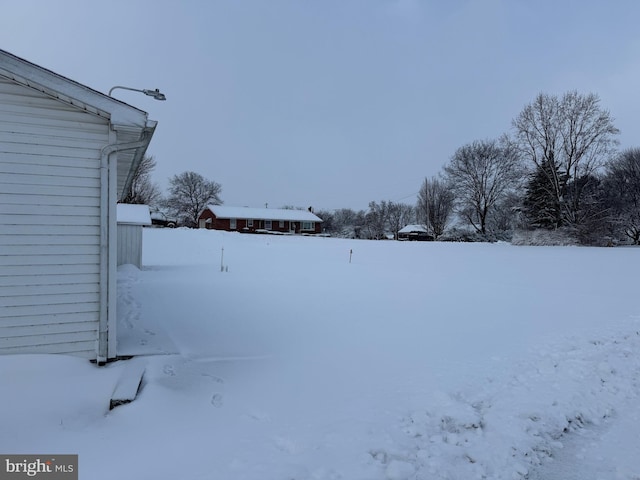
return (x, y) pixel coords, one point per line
(222, 260)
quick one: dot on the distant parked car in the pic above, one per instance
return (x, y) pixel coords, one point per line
(160, 219)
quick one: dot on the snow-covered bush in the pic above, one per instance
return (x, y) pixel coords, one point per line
(542, 237)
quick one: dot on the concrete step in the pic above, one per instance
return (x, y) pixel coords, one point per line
(129, 383)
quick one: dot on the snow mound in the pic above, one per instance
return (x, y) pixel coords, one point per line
(508, 427)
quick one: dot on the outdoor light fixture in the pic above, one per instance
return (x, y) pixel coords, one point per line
(157, 94)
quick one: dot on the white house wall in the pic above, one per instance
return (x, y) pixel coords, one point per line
(49, 224)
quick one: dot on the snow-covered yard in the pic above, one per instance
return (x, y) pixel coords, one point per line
(414, 361)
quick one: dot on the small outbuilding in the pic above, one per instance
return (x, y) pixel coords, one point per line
(131, 220)
(415, 232)
(68, 153)
(260, 220)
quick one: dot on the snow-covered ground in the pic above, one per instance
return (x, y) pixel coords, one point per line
(414, 361)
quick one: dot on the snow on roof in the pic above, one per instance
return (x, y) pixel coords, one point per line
(221, 211)
(133, 214)
(413, 229)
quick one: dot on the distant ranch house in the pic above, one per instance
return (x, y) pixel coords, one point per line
(260, 220)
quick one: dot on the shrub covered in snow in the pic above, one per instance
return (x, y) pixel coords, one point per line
(541, 237)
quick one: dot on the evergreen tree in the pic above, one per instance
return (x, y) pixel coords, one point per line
(541, 204)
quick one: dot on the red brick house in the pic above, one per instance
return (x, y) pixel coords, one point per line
(259, 220)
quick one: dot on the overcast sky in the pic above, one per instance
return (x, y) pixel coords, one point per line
(332, 103)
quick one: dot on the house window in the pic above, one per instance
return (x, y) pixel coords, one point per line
(281, 224)
(308, 226)
(233, 223)
(249, 223)
(267, 224)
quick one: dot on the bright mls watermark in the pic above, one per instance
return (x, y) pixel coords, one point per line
(49, 467)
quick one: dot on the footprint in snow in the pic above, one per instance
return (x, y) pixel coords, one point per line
(213, 377)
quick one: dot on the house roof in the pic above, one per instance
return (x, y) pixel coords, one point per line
(130, 124)
(133, 214)
(222, 211)
(414, 229)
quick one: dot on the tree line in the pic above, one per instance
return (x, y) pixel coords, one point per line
(557, 175)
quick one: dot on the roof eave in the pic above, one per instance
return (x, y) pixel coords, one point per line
(145, 135)
(69, 91)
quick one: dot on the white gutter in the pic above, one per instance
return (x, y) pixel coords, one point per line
(107, 212)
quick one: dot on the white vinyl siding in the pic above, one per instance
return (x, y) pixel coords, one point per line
(49, 224)
(130, 245)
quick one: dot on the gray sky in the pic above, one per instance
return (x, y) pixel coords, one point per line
(332, 103)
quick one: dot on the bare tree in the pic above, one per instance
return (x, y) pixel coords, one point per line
(622, 193)
(189, 194)
(143, 190)
(435, 205)
(376, 220)
(328, 224)
(506, 216)
(400, 215)
(348, 222)
(344, 218)
(589, 220)
(567, 139)
(480, 173)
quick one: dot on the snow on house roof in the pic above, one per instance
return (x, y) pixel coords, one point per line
(222, 211)
(133, 214)
(413, 229)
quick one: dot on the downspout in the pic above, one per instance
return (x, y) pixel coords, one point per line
(106, 157)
